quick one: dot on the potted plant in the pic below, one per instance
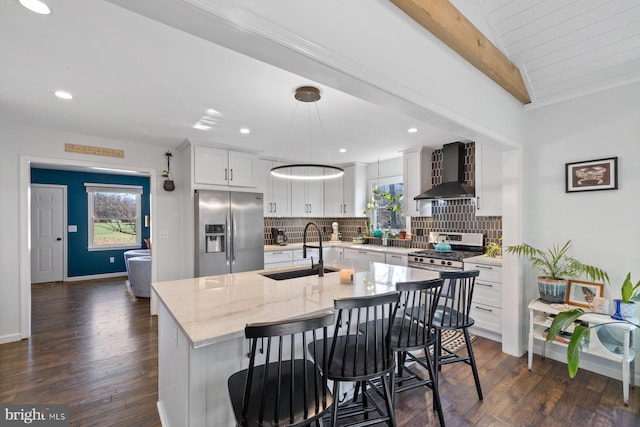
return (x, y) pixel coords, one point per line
(382, 199)
(557, 266)
(625, 306)
(494, 250)
(168, 184)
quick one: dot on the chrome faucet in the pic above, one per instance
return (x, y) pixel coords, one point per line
(305, 246)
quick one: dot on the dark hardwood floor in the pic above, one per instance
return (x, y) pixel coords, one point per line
(96, 350)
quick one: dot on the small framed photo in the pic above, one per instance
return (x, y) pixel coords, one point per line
(582, 293)
(592, 175)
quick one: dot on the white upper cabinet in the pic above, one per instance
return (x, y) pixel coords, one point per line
(416, 177)
(488, 180)
(276, 191)
(307, 197)
(345, 196)
(217, 166)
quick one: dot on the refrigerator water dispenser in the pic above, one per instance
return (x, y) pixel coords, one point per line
(214, 238)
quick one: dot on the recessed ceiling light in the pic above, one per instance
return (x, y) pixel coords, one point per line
(36, 6)
(412, 130)
(63, 94)
(343, 150)
(245, 130)
(200, 126)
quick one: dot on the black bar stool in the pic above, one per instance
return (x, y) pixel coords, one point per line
(286, 390)
(412, 330)
(362, 356)
(453, 313)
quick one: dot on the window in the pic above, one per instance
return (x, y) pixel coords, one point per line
(388, 215)
(114, 216)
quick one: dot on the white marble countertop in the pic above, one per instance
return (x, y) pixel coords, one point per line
(217, 308)
(349, 245)
(482, 259)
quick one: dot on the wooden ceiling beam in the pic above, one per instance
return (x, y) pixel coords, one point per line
(447, 23)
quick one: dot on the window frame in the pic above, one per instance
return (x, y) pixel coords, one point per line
(91, 189)
(375, 183)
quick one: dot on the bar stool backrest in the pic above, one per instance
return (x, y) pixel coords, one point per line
(288, 389)
(455, 301)
(418, 303)
(359, 355)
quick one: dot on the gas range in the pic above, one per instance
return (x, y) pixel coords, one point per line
(463, 245)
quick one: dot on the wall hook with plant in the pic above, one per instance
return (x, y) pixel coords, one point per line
(168, 184)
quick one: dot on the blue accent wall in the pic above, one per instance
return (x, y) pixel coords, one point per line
(82, 262)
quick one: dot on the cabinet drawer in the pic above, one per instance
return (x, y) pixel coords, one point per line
(489, 273)
(487, 317)
(276, 265)
(277, 256)
(397, 259)
(311, 252)
(488, 293)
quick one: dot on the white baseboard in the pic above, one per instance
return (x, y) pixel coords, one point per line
(10, 338)
(163, 419)
(96, 276)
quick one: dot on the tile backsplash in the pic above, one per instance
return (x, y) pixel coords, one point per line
(448, 216)
(294, 228)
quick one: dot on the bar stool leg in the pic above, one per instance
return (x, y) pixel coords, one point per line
(472, 359)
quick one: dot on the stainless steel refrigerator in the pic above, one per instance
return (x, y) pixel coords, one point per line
(229, 232)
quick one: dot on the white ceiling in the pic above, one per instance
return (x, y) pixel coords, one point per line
(136, 79)
(568, 48)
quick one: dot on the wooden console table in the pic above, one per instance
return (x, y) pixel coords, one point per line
(601, 344)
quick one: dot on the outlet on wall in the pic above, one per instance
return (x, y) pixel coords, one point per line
(112, 260)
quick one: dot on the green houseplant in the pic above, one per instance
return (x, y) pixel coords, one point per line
(625, 306)
(494, 250)
(382, 199)
(557, 266)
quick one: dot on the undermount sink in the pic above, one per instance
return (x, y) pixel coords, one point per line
(294, 274)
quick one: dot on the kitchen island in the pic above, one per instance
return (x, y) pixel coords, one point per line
(201, 329)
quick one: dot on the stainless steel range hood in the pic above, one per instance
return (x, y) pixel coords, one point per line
(453, 185)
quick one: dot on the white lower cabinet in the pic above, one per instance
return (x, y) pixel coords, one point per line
(486, 306)
(278, 259)
(363, 255)
(334, 254)
(396, 259)
(298, 259)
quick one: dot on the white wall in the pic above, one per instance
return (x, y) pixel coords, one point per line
(21, 142)
(603, 225)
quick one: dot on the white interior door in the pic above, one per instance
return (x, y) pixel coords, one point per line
(47, 233)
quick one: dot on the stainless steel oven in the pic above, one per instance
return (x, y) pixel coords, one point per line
(462, 245)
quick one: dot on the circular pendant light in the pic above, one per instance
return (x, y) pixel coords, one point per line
(307, 171)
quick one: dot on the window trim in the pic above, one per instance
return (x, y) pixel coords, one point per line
(91, 188)
(373, 184)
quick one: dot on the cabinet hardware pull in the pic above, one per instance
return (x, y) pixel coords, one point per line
(478, 203)
(231, 175)
(226, 178)
(484, 309)
(275, 207)
(483, 266)
(417, 207)
(277, 253)
(484, 284)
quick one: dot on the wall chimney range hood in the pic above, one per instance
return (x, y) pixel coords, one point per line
(453, 185)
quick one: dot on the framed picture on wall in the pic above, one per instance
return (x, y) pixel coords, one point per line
(592, 175)
(582, 293)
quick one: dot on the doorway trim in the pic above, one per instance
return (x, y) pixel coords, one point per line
(25, 224)
(64, 224)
